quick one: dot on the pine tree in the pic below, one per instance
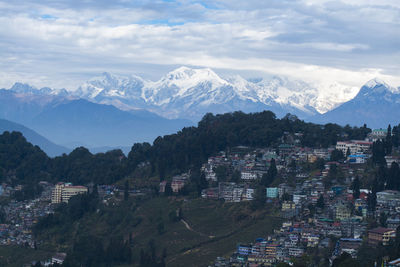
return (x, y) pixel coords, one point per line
(271, 174)
(356, 188)
(126, 190)
(371, 200)
(320, 202)
(388, 141)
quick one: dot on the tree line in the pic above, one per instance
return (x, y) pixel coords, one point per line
(24, 163)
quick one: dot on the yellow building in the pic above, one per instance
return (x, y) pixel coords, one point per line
(288, 205)
(64, 191)
(342, 212)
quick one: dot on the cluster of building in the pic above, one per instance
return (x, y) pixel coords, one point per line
(19, 217)
(229, 192)
(338, 223)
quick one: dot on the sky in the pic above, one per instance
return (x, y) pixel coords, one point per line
(61, 44)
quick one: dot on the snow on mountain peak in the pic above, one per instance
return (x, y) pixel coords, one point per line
(375, 82)
(184, 76)
(184, 92)
(26, 89)
(23, 88)
(181, 82)
(111, 85)
(377, 86)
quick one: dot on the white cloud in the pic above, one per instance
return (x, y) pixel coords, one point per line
(323, 42)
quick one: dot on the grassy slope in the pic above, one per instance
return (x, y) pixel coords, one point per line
(215, 228)
(14, 256)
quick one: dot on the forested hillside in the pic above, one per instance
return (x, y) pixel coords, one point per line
(23, 163)
(192, 146)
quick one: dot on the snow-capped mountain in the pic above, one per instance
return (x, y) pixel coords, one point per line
(23, 88)
(190, 93)
(377, 104)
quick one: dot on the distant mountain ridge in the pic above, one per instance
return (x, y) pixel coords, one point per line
(83, 122)
(377, 104)
(33, 137)
(71, 122)
(190, 93)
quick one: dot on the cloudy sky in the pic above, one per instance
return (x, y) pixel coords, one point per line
(62, 43)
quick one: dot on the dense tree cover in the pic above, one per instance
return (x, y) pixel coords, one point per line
(23, 163)
(379, 152)
(76, 208)
(386, 178)
(337, 155)
(87, 249)
(271, 174)
(396, 136)
(190, 147)
(345, 260)
(82, 167)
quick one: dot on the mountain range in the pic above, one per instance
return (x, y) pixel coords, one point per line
(190, 93)
(116, 111)
(71, 122)
(33, 137)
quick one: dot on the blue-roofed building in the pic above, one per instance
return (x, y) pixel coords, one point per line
(337, 190)
(357, 159)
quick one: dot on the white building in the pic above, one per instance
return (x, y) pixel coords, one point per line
(64, 191)
(355, 146)
(248, 176)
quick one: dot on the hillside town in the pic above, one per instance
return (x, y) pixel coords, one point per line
(334, 217)
(316, 191)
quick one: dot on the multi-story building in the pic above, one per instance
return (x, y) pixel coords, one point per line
(271, 249)
(392, 159)
(388, 201)
(380, 235)
(377, 134)
(272, 192)
(64, 191)
(225, 190)
(249, 194)
(342, 212)
(296, 251)
(178, 182)
(355, 146)
(247, 175)
(237, 194)
(288, 205)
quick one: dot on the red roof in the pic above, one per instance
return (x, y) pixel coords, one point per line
(380, 230)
